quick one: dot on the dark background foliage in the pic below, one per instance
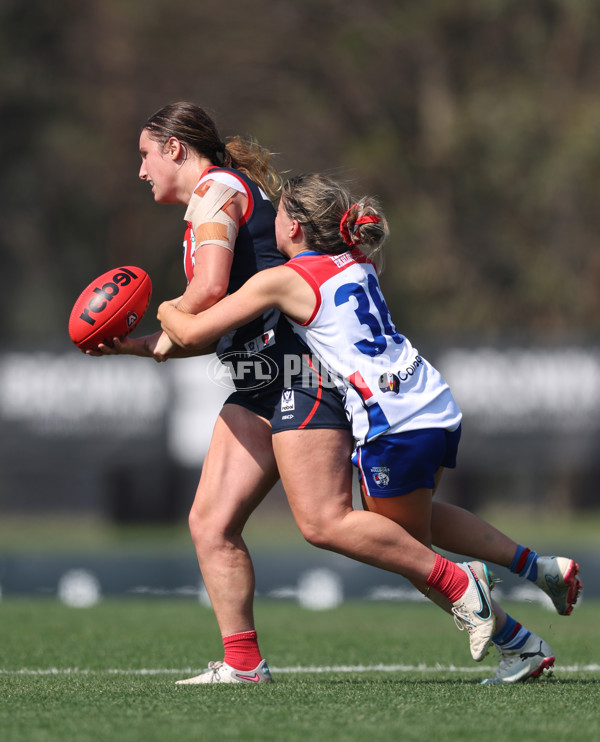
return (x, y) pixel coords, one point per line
(476, 123)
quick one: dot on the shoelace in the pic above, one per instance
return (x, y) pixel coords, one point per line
(215, 667)
(462, 620)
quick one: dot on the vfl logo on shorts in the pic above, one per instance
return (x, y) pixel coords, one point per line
(381, 475)
(287, 400)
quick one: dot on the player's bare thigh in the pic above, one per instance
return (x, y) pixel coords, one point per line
(238, 471)
(316, 473)
(412, 511)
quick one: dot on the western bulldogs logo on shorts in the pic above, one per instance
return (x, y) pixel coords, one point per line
(287, 400)
(381, 475)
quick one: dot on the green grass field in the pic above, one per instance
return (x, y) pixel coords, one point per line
(107, 674)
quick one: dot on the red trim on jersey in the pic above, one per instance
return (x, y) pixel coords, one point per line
(360, 385)
(250, 201)
(317, 269)
(188, 255)
(188, 258)
(318, 399)
(313, 283)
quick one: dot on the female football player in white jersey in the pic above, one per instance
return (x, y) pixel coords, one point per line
(405, 422)
(230, 235)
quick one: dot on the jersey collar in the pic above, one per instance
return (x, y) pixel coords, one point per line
(304, 253)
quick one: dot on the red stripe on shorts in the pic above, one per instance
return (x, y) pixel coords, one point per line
(311, 414)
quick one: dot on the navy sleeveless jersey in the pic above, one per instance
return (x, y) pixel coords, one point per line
(255, 250)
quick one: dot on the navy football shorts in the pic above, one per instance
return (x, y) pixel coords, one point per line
(393, 465)
(308, 402)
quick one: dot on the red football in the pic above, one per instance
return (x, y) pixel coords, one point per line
(111, 306)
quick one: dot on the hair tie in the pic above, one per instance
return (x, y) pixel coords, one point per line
(351, 238)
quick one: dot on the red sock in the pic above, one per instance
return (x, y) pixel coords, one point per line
(448, 579)
(241, 650)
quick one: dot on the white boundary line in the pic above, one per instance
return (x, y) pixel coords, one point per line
(290, 670)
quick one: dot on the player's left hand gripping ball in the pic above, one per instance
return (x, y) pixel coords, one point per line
(111, 306)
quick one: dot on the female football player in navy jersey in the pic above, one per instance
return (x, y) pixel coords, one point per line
(405, 422)
(230, 236)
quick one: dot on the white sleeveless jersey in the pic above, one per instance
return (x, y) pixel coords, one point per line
(387, 386)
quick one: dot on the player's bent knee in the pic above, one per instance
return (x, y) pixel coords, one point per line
(316, 534)
(205, 534)
(197, 528)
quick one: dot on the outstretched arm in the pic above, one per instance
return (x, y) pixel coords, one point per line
(280, 288)
(212, 267)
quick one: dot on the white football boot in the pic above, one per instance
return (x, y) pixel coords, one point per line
(221, 672)
(518, 665)
(558, 577)
(473, 611)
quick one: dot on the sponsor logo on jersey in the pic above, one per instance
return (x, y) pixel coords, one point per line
(266, 340)
(410, 370)
(381, 475)
(342, 260)
(287, 417)
(287, 400)
(389, 382)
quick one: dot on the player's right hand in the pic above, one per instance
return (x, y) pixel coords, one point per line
(128, 346)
